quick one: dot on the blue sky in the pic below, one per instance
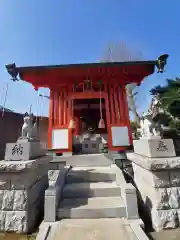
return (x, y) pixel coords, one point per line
(40, 32)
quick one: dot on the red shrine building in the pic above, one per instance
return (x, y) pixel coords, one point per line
(88, 102)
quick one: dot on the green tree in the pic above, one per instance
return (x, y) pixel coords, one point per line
(134, 126)
(169, 96)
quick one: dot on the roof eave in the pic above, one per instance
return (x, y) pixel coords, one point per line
(159, 63)
(86, 65)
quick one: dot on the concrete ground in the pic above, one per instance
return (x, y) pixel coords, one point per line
(14, 236)
(94, 229)
(173, 234)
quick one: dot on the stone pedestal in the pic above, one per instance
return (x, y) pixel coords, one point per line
(23, 182)
(158, 181)
(23, 150)
(154, 147)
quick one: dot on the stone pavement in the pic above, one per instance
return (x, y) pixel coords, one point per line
(86, 160)
(94, 229)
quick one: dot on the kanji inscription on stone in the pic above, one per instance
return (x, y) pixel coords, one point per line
(162, 147)
(17, 149)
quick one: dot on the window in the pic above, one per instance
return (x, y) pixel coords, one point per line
(94, 145)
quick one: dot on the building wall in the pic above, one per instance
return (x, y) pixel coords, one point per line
(43, 131)
(10, 130)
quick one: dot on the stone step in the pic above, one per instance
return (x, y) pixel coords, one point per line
(86, 160)
(91, 189)
(91, 174)
(97, 207)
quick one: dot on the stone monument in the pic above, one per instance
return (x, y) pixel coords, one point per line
(23, 181)
(157, 177)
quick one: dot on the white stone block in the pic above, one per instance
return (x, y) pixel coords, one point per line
(20, 200)
(161, 198)
(152, 164)
(8, 200)
(175, 178)
(19, 221)
(154, 147)
(157, 198)
(4, 181)
(53, 175)
(30, 176)
(16, 221)
(15, 166)
(52, 183)
(2, 220)
(161, 179)
(165, 219)
(174, 198)
(4, 184)
(158, 179)
(1, 198)
(174, 163)
(19, 166)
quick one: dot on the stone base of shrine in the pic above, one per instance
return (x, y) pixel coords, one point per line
(22, 189)
(89, 143)
(158, 184)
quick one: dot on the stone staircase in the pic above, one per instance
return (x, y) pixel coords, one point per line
(91, 193)
(90, 201)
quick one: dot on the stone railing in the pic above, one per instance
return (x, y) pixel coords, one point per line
(53, 193)
(128, 194)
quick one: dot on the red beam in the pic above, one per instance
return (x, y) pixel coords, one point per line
(50, 119)
(112, 109)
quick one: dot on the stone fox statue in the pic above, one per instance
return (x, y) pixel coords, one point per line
(148, 127)
(29, 128)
